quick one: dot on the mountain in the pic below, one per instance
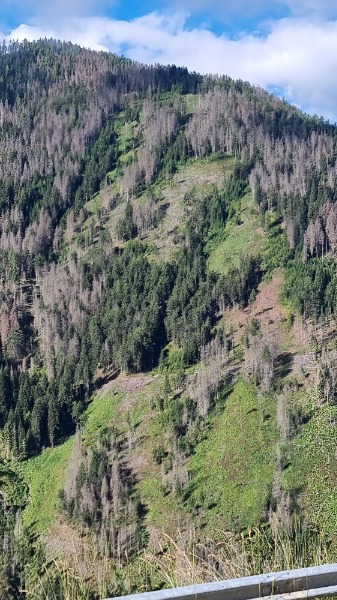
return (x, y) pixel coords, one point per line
(167, 326)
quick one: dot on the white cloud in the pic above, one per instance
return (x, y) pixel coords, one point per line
(297, 57)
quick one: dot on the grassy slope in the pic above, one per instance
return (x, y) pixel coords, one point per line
(232, 469)
(45, 474)
(139, 411)
(311, 470)
(196, 175)
(167, 193)
(238, 240)
(45, 477)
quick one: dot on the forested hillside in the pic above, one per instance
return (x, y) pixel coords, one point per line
(167, 327)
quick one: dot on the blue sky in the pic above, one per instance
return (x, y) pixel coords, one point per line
(284, 45)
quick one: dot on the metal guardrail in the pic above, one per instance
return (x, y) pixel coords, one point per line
(313, 582)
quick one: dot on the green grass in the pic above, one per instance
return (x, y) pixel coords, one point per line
(94, 204)
(162, 508)
(232, 469)
(138, 412)
(100, 414)
(276, 252)
(192, 102)
(311, 470)
(236, 241)
(125, 134)
(45, 474)
(196, 174)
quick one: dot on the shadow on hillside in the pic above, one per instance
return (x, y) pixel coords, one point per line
(283, 364)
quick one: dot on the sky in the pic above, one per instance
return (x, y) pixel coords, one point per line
(286, 46)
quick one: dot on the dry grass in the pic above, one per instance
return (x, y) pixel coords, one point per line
(184, 560)
(188, 561)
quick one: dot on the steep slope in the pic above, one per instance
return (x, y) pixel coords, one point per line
(167, 325)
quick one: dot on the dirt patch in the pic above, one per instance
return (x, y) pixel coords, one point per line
(127, 384)
(130, 384)
(260, 231)
(266, 309)
(297, 342)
